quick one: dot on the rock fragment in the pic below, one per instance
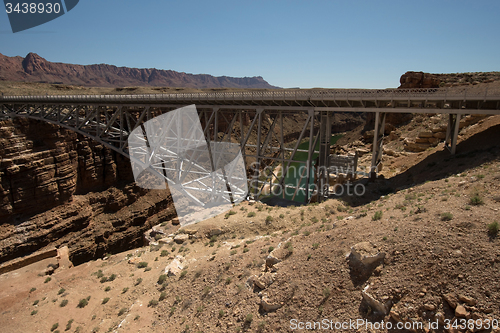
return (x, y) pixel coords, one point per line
(461, 312)
(175, 267)
(376, 305)
(366, 254)
(181, 238)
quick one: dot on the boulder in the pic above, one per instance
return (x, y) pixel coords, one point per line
(63, 257)
(272, 260)
(181, 238)
(264, 280)
(366, 254)
(362, 151)
(215, 232)
(368, 135)
(376, 305)
(189, 231)
(451, 300)
(461, 312)
(268, 306)
(134, 261)
(166, 240)
(175, 267)
(467, 300)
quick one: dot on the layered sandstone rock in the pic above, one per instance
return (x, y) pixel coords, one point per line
(42, 169)
(43, 165)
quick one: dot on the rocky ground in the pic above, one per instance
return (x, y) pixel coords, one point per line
(430, 222)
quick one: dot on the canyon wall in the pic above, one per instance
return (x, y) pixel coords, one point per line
(61, 188)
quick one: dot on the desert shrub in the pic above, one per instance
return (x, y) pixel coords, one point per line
(47, 279)
(54, 327)
(493, 228)
(162, 278)
(164, 253)
(377, 216)
(64, 302)
(231, 212)
(249, 318)
(446, 216)
(122, 311)
(476, 199)
(34, 312)
(82, 303)
(152, 303)
(105, 300)
(251, 214)
(108, 288)
(68, 325)
(32, 289)
(124, 290)
(142, 264)
(62, 290)
(138, 282)
(326, 292)
(315, 245)
(163, 295)
(36, 302)
(269, 219)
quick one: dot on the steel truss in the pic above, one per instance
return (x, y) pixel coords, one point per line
(255, 121)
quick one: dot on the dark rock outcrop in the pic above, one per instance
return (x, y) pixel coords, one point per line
(411, 80)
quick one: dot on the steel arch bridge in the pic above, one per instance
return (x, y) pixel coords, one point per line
(110, 119)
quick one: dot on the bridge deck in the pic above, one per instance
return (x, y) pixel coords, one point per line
(442, 100)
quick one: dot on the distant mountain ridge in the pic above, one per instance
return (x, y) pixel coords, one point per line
(34, 68)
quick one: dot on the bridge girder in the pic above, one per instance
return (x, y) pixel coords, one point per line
(234, 116)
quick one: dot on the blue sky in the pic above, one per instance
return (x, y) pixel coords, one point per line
(330, 44)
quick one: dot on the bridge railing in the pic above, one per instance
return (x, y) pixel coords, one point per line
(273, 95)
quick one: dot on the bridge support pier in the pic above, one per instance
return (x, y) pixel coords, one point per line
(378, 140)
(325, 132)
(452, 132)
